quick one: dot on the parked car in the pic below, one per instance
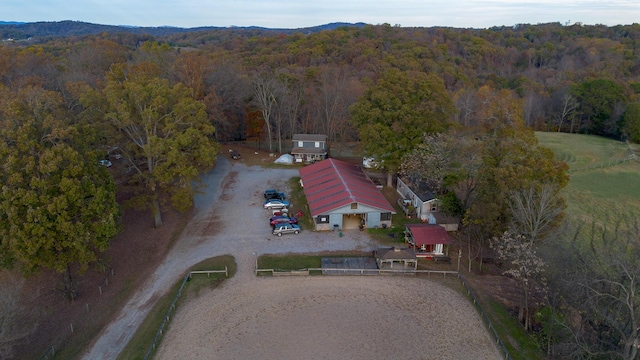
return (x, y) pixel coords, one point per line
(280, 229)
(234, 154)
(273, 194)
(282, 220)
(279, 212)
(275, 204)
(105, 162)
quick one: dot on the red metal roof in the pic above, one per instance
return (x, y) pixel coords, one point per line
(428, 234)
(330, 184)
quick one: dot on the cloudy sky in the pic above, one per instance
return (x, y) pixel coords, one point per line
(304, 13)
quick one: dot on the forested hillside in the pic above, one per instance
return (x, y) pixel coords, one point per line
(453, 108)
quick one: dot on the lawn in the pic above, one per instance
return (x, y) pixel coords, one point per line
(607, 189)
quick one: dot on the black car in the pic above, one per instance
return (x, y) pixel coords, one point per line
(273, 194)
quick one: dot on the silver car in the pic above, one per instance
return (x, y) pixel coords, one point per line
(279, 229)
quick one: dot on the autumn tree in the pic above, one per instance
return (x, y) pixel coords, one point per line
(57, 205)
(226, 88)
(511, 159)
(395, 113)
(164, 133)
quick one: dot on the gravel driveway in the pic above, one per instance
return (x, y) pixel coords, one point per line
(229, 219)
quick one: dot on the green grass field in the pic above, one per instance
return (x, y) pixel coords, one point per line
(602, 188)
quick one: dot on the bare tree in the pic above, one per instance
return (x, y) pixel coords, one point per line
(569, 106)
(465, 101)
(607, 279)
(289, 97)
(16, 322)
(331, 89)
(536, 211)
(264, 96)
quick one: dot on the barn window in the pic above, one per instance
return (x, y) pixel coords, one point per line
(322, 219)
(354, 206)
(385, 216)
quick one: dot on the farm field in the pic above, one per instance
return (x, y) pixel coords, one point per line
(605, 184)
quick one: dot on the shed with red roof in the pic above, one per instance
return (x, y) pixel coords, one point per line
(427, 240)
(342, 196)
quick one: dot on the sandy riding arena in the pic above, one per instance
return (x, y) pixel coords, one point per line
(328, 317)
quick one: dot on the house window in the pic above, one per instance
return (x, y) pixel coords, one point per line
(317, 144)
(385, 216)
(322, 219)
(354, 206)
(300, 144)
(434, 207)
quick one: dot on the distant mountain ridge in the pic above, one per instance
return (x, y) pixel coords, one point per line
(20, 31)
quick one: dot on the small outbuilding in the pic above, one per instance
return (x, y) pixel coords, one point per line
(427, 240)
(396, 258)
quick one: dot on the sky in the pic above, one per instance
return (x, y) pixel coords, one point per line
(291, 14)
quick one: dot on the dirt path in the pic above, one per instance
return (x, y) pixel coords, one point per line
(229, 219)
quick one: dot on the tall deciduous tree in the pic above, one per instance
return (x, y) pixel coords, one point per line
(165, 134)
(264, 97)
(393, 115)
(57, 205)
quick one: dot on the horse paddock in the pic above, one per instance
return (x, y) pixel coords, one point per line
(328, 317)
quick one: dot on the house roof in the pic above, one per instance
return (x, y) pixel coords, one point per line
(428, 234)
(396, 253)
(309, 137)
(330, 184)
(421, 189)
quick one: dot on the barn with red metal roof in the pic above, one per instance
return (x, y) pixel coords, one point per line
(341, 195)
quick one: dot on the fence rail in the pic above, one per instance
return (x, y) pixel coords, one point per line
(485, 318)
(331, 271)
(604, 164)
(172, 307)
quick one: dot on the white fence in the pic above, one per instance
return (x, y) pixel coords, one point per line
(172, 308)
